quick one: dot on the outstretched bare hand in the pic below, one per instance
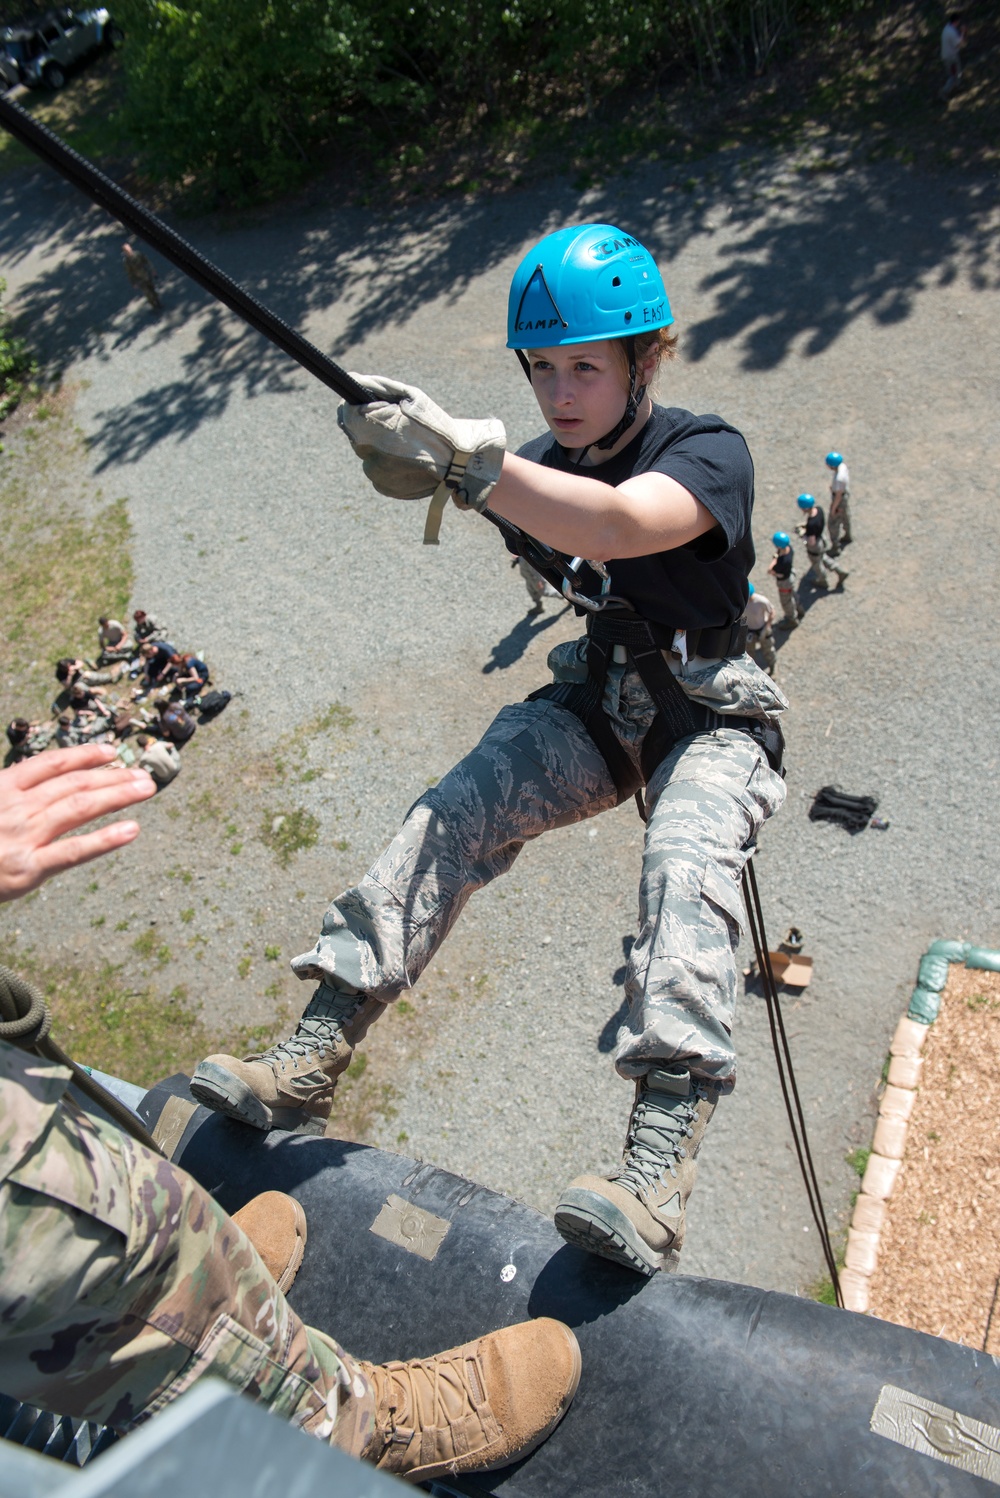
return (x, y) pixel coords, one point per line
(57, 792)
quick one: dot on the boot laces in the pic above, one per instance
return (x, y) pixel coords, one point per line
(321, 1030)
(655, 1137)
(428, 1393)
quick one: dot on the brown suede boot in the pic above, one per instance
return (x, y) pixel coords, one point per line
(636, 1216)
(295, 1079)
(475, 1407)
(276, 1226)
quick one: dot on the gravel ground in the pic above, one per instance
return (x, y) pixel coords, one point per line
(821, 303)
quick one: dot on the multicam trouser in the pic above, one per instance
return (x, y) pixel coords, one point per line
(838, 522)
(537, 768)
(122, 1281)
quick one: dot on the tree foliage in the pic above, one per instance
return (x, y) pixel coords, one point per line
(17, 365)
(238, 93)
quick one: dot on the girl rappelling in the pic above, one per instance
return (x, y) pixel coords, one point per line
(658, 693)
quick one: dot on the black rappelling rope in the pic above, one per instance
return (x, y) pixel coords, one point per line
(116, 201)
(25, 1021)
(786, 1073)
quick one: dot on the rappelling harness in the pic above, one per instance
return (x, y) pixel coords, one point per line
(618, 635)
(613, 624)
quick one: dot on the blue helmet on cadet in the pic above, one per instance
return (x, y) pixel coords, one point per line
(581, 285)
(834, 460)
(781, 538)
(805, 501)
(752, 589)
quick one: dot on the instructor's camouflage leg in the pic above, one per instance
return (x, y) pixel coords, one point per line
(123, 1281)
(708, 801)
(534, 768)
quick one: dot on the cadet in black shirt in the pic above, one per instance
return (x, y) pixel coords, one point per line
(812, 529)
(660, 690)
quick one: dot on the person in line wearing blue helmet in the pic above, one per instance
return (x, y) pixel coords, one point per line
(839, 518)
(659, 693)
(782, 569)
(759, 617)
(812, 528)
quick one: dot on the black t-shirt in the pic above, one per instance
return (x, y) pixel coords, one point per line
(702, 584)
(783, 563)
(815, 523)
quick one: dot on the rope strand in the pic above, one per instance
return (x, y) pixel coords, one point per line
(786, 1074)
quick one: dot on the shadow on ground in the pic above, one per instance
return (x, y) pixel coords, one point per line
(806, 258)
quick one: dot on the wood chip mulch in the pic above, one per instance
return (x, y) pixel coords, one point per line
(939, 1263)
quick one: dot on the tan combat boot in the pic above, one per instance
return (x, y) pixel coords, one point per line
(636, 1216)
(276, 1226)
(473, 1408)
(293, 1080)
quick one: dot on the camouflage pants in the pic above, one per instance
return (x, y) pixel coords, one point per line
(820, 566)
(122, 1281)
(537, 768)
(534, 583)
(839, 523)
(760, 644)
(790, 605)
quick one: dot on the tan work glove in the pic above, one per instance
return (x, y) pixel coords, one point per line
(409, 445)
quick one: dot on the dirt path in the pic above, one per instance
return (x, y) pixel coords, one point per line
(821, 303)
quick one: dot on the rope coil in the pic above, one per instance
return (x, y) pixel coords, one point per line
(26, 1022)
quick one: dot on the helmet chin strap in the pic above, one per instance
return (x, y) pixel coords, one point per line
(636, 394)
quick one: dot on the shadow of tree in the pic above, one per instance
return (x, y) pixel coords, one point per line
(811, 250)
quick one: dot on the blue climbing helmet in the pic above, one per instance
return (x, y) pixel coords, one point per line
(781, 538)
(583, 284)
(805, 501)
(834, 460)
(752, 589)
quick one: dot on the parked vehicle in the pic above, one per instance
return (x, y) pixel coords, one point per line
(41, 54)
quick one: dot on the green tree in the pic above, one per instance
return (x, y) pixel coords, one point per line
(17, 364)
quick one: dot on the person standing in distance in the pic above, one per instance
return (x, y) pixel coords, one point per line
(812, 528)
(953, 38)
(759, 618)
(659, 692)
(782, 569)
(839, 518)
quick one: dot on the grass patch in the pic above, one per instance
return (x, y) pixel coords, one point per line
(51, 603)
(858, 1159)
(141, 1035)
(288, 832)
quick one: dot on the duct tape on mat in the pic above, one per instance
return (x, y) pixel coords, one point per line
(932, 1430)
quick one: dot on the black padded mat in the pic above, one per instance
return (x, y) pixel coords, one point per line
(691, 1388)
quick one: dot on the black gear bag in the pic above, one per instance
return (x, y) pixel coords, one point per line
(831, 804)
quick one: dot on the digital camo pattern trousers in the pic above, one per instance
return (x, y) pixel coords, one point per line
(537, 768)
(122, 1281)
